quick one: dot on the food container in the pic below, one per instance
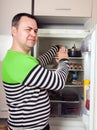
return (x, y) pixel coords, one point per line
(74, 53)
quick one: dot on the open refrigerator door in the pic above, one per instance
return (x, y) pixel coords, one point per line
(65, 111)
(89, 48)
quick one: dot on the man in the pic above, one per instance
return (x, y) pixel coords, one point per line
(26, 81)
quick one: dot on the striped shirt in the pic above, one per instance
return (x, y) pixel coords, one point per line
(26, 83)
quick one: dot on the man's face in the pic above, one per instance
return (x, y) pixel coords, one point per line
(25, 34)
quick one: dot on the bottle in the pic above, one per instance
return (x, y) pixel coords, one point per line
(73, 50)
(74, 76)
(87, 95)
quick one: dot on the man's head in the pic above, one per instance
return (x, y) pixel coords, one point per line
(18, 16)
(24, 31)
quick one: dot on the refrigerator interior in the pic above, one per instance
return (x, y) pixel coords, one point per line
(69, 103)
(64, 105)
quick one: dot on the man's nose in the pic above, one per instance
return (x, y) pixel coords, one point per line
(33, 33)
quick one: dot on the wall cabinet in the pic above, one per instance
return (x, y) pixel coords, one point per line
(8, 9)
(74, 8)
(68, 12)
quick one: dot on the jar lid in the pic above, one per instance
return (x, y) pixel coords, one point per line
(86, 82)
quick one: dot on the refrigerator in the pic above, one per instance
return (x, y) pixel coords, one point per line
(75, 106)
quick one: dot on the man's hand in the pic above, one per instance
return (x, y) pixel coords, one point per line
(62, 54)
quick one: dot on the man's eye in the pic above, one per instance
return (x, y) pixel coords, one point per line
(36, 31)
(28, 29)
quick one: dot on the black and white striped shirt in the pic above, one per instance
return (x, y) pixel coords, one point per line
(28, 101)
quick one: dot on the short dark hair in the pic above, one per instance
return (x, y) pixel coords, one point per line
(18, 16)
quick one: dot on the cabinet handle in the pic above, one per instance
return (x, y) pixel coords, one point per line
(63, 9)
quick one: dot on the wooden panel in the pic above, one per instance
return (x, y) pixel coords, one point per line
(74, 8)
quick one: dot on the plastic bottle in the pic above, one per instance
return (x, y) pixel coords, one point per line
(87, 95)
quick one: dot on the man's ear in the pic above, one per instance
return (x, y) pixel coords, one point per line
(13, 30)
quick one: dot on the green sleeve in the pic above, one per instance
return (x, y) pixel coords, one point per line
(16, 66)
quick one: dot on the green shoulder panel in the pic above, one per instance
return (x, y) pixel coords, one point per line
(16, 66)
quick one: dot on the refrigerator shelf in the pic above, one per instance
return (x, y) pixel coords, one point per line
(60, 101)
(72, 58)
(73, 85)
(76, 58)
(76, 70)
(54, 69)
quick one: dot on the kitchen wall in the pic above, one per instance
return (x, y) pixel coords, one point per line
(5, 44)
(8, 9)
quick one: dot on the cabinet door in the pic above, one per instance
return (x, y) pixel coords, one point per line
(74, 8)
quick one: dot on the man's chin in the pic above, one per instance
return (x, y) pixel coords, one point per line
(31, 45)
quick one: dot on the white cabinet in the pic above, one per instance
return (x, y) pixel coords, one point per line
(74, 8)
(8, 9)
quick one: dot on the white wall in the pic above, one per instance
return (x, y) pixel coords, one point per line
(8, 8)
(5, 44)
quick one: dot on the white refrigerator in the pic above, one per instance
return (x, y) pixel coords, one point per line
(86, 42)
